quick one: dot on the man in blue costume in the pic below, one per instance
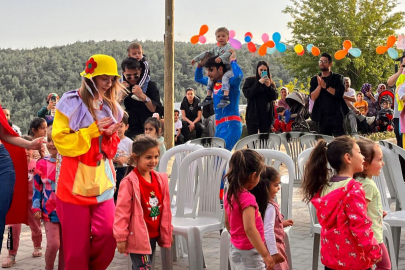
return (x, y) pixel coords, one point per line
(227, 120)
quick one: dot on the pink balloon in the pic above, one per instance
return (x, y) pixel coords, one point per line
(265, 37)
(202, 39)
(231, 34)
(235, 43)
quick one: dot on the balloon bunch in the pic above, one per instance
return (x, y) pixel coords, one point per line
(281, 47)
(234, 42)
(313, 49)
(248, 39)
(267, 44)
(347, 48)
(200, 37)
(391, 51)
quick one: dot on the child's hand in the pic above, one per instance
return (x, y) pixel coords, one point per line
(122, 247)
(278, 258)
(120, 160)
(175, 139)
(233, 55)
(218, 60)
(384, 214)
(192, 62)
(38, 215)
(268, 260)
(288, 222)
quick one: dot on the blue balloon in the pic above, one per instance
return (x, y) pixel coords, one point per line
(281, 47)
(309, 47)
(248, 39)
(276, 37)
(271, 50)
(355, 52)
(393, 53)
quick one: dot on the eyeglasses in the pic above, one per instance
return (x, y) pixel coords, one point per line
(323, 61)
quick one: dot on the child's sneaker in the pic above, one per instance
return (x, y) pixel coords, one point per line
(370, 120)
(207, 101)
(224, 102)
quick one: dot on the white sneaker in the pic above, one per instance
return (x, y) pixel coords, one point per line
(370, 120)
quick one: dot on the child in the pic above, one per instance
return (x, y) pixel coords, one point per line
(49, 110)
(153, 128)
(35, 225)
(362, 107)
(347, 240)
(274, 223)
(123, 153)
(135, 51)
(44, 204)
(385, 116)
(38, 129)
(178, 137)
(143, 216)
(242, 218)
(373, 163)
(284, 121)
(221, 51)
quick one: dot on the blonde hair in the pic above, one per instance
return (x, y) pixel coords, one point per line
(134, 45)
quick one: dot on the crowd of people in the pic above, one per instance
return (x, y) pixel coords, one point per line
(95, 183)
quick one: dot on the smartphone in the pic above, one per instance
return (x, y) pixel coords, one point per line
(264, 73)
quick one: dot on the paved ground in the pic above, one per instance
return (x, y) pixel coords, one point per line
(301, 247)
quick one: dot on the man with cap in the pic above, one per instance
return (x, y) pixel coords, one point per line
(49, 110)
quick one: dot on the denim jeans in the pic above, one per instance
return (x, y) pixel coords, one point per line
(7, 181)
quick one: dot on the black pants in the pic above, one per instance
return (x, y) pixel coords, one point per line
(186, 131)
(141, 261)
(262, 126)
(180, 140)
(396, 131)
(119, 173)
(332, 128)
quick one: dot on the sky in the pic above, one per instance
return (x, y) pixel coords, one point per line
(25, 24)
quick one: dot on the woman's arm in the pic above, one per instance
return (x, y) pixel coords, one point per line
(18, 141)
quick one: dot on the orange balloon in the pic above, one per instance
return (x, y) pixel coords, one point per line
(391, 41)
(194, 39)
(315, 51)
(203, 29)
(251, 47)
(262, 50)
(381, 49)
(270, 44)
(339, 55)
(347, 44)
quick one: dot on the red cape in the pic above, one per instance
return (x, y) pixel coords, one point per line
(18, 211)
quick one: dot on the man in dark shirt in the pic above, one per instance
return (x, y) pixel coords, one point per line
(191, 114)
(140, 106)
(327, 91)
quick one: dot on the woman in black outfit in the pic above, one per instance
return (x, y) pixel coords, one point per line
(260, 92)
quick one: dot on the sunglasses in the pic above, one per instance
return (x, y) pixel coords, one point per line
(130, 76)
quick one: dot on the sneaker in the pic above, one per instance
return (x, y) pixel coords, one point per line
(224, 102)
(207, 101)
(370, 120)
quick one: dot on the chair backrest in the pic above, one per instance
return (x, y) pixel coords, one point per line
(205, 183)
(179, 153)
(275, 159)
(209, 142)
(380, 183)
(310, 140)
(259, 141)
(291, 142)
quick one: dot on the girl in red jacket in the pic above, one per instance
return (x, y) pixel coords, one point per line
(347, 240)
(143, 216)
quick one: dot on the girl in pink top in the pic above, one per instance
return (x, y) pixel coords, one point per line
(242, 218)
(142, 215)
(347, 240)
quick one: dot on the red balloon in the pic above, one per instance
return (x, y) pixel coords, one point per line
(301, 53)
(249, 34)
(251, 47)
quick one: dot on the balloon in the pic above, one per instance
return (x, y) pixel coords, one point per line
(235, 43)
(248, 39)
(281, 47)
(391, 41)
(393, 53)
(381, 49)
(347, 44)
(315, 51)
(262, 50)
(251, 47)
(301, 53)
(298, 48)
(202, 39)
(277, 37)
(270, 43)
(203, 29)
(271, 50)
(309, 47)
(355, 52)
(339, 55)
(231, 34)
(249, 34)
(265, 37)
(195, 39)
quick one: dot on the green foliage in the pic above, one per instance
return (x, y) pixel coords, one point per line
(28, 76)
(326, 24)
(379, 136)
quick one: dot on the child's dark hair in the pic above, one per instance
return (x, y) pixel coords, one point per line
(154, 122)
(125, 118)
(367, 150)
(242, 165)
(177, 111)
(261, 191)
(27, 137)
(35, 124)
(133, 46)
(316, 173)
(140, 145)
(360, 94)
(280, 109)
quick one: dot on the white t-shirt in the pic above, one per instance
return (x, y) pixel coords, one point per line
(350, 93)
(177, 125)
(124, 148)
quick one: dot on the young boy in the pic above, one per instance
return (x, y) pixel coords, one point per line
(178, 137)
(385, 116)
(362, 107)
(221, 51)
(284, 121)
(135, 51)
(124, 151)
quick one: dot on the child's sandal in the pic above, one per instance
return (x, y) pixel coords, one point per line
(8, 262)
(37, 252)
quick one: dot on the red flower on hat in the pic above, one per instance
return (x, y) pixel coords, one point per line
(90, 66)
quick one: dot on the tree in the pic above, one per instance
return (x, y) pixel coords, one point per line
(326, 24)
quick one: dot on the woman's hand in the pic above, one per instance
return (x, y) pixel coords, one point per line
(103, 122)
(233, 55)
(122, 246)
(262, 80)
(36, 144)
(112, 129)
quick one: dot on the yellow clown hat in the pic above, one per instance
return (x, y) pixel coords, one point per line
(100, 64)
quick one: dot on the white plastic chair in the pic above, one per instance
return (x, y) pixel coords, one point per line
(209, 142)
(225, 244)
(310, 140)
(259, 141)
(207, 215)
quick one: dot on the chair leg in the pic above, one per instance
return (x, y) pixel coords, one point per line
(165, 254)
(390, 245)
(224, 250)
(194, 249)
(396, 237)
(288, 249)
(315, 253)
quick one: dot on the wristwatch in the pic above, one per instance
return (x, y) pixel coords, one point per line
(147, 99)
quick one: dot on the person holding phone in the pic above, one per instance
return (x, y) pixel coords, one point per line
(260, 91)
(49, 110)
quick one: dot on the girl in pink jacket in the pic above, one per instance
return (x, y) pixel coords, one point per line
(347, 240)
(143, 216)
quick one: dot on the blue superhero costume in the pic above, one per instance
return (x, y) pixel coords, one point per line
(228, 122)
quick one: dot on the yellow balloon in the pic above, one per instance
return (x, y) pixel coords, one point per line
(298, 48)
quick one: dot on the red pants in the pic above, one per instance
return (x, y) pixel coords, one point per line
(87, 232)
(282, 126)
